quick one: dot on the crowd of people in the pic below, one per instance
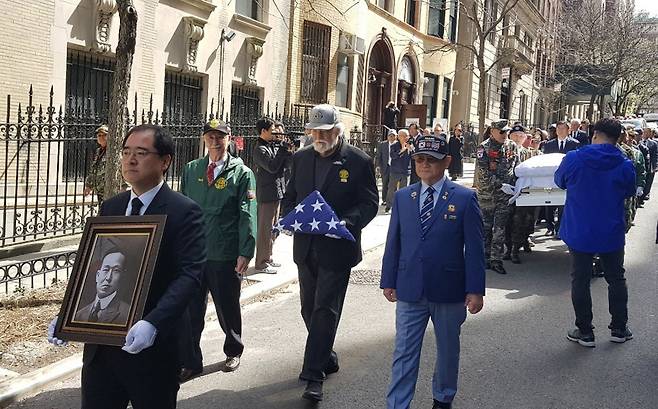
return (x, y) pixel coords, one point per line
(224, 213)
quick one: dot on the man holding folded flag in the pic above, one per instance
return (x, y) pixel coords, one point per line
(344, 176)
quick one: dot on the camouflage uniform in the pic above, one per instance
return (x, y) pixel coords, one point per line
(495, 166)
(96, 178)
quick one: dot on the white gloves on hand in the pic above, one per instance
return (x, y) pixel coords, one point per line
(51, 334)
(639, 192)
(508, 189)
(139, 337)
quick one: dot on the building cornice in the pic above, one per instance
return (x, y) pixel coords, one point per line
(203, 5)
(250, 26)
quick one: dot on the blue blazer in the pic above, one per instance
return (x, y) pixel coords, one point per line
(446, 262)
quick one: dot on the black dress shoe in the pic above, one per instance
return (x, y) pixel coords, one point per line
(507, 256)
(232, 363)
(441, 405)
(187, 373)
(331, 369)
(313, 391)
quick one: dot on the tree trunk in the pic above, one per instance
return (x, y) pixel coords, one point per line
(117, 121)
(590, 108)
(482, 95)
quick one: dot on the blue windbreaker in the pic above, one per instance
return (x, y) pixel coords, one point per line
(597, 178)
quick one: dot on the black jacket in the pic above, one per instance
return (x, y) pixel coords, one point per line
(178, 270)
(354, 200)
(270, 162)
(581, 137)
(455, 146)
(552, 146)
(381, 158)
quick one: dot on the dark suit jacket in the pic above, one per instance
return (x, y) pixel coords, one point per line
(381, 159)
(116, 312)
(552, 146)
(582, 138)
(178, 269)
(269, 163)
(355, 200)
(444, 263)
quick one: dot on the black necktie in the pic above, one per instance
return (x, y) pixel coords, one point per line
(136, 206)
(561, 146)
(93, 316)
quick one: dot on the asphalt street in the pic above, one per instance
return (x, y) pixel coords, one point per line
(514, 353)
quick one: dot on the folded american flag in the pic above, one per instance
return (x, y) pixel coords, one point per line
(314, 216)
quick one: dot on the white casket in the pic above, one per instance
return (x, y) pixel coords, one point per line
(535, 185)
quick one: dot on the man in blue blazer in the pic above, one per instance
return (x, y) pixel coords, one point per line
(433, 267)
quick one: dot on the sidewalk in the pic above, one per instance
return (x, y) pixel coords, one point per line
(258, 286)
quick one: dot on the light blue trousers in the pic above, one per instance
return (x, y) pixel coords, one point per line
(410, 324)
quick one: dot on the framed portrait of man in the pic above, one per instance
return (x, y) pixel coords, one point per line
(110, 279)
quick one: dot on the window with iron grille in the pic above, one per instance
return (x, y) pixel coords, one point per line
(245, 103)
(315, 62)
(182, 97)
(359, 83)
(250, 8)
(88, 88)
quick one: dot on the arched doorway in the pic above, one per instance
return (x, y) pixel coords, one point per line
(406, 82)
(380, 78)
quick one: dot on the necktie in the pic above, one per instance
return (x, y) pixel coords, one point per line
(426, 210)
(210, 172)
(561, 146)
(136, 207)
(93, 316)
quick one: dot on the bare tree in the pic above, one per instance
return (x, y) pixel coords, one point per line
(119, 101)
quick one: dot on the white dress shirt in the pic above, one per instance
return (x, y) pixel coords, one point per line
(437, 191)
(219, 165)
(104, 301)
(146, 198)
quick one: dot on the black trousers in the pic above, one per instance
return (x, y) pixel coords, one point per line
(220, 280)
(581, 296)
(114, 377)
(322, 293)
(552, 224)
(386, 173)
(647, 186)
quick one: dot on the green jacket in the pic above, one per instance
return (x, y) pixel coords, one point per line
(228, 205)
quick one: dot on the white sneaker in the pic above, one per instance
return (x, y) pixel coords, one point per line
(266, 270)
(273, 264)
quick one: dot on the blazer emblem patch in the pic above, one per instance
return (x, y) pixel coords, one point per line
(343, 174)
(221, 183)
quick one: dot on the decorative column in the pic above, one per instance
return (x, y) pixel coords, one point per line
(193, 34)
(254, 52)
(105, 9)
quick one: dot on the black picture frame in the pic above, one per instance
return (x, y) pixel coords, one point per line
(110, 280)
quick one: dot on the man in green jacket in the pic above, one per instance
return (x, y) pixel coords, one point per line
(225, 189)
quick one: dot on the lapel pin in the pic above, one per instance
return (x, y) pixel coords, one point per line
(414, 194)
(451, 208)
(445, 196)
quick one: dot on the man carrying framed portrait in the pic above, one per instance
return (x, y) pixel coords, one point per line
(144, 371)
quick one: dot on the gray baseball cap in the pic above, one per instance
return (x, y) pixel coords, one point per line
(323, 116)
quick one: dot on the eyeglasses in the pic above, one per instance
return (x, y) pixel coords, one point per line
(106, 271)
(138, 153)
(429, 159)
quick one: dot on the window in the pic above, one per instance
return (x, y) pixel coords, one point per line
(182, 97)
(250, 8)
(359, 83)
(436, 19)
(315, 62)
(430, 95)
(490, 16)
(88, 86)
(343, 80)
(386, 5)
(245, 103)
(411, 16)
(445, 103)
(523, 103)
(454, 6)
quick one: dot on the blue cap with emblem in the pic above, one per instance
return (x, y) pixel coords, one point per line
(435, 146)
(323, 116)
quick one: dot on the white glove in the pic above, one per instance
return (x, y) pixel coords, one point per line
(51, 334)
(508, 189)
(139, 337)
(639, 192)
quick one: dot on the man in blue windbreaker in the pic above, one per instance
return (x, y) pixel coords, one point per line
(598, 178)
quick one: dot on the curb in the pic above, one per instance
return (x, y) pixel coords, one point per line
(22, 386)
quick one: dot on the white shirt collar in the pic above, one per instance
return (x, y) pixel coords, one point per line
(437, 186)
(105, 301)
(146, 198)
